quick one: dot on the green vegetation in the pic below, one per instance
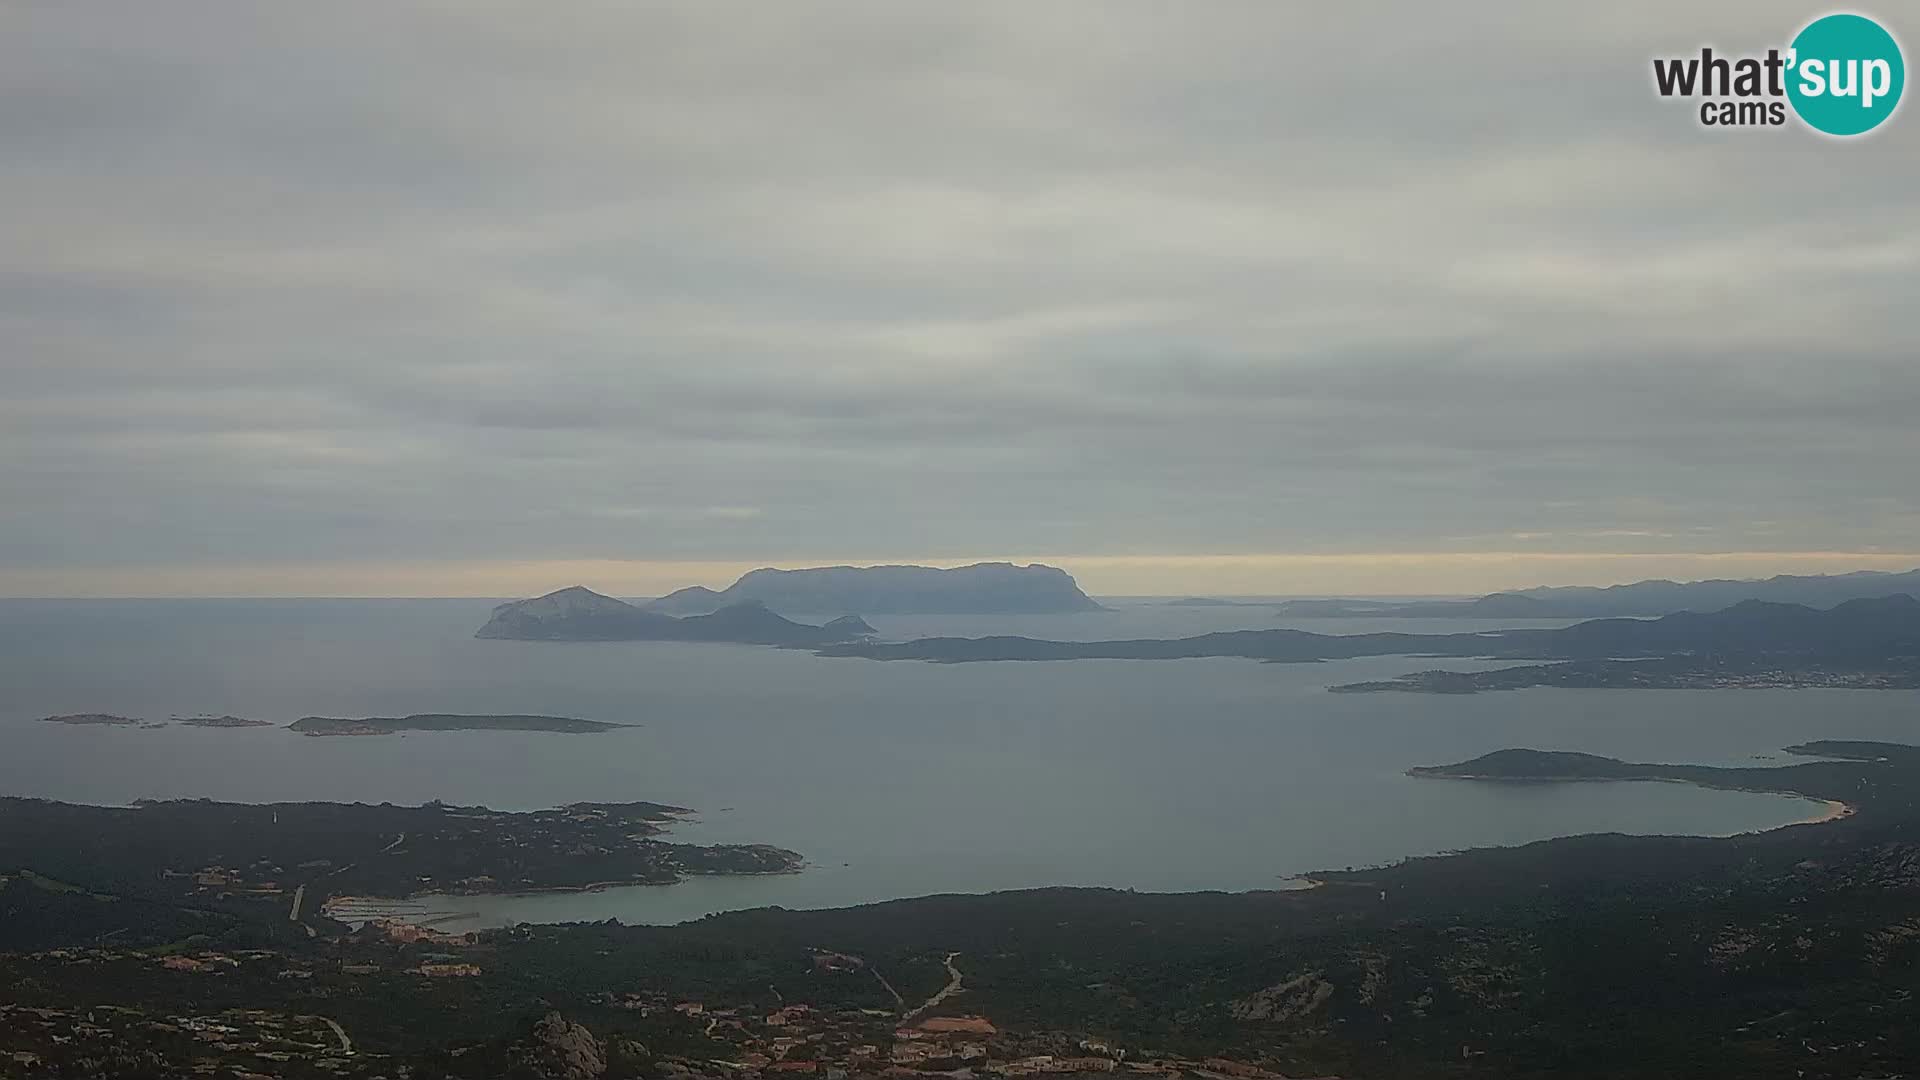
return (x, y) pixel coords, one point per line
(248, 861)
(1793, 953)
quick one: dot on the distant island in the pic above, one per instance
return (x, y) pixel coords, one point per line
(92, 719)
(578, 613)
(1876, 635)
(1666, 673)
(1217, 601)
(1641, 598)
(109, 720)
(980, 589)
(387, 725)
(1494, 606)
(220, 722)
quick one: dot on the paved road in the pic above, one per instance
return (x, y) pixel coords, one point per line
(299, 894)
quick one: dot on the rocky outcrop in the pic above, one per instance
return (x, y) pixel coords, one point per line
(1295, 999)
(557, 1049)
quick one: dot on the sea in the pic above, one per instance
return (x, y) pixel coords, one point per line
(893, 779)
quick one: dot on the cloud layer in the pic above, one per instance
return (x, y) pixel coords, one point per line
(414, 283)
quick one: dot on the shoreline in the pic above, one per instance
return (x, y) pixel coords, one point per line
(560, 890)
(1834, 812)
(602, 886)
(1832, 809)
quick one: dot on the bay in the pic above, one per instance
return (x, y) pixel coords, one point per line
(893, 779)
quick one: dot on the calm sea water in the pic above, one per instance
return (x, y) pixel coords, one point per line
(894, 779)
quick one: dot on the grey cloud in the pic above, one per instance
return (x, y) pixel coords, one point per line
(415, 281)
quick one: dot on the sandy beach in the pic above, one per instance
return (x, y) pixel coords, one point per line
(1833, 810)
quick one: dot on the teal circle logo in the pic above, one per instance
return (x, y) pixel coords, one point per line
(1845, 74)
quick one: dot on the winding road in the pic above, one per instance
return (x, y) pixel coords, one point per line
(346, 1044)
(947, 991)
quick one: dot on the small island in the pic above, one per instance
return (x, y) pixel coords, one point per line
(92, 719)
(390, 725)
(220, 722)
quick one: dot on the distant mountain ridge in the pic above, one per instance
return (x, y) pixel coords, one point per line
(1879, 629)
(577, 613)
(980, 589)
(1641, 598)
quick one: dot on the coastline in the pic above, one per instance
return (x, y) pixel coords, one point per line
(1835, 810)
(370, 904)
(1831, 809)
(362, 909)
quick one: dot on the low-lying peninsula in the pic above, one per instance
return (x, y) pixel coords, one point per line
(1669, 673)
(297, 854)
(389, 725)
(1884, 777)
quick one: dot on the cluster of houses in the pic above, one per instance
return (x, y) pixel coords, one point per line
(865, 1044)
(237, 1042)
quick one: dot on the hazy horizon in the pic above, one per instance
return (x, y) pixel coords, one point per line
(1230, 575)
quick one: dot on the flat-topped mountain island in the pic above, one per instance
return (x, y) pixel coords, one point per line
(995, 588)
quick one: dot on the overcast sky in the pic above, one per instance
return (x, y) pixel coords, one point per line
(473, 298)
